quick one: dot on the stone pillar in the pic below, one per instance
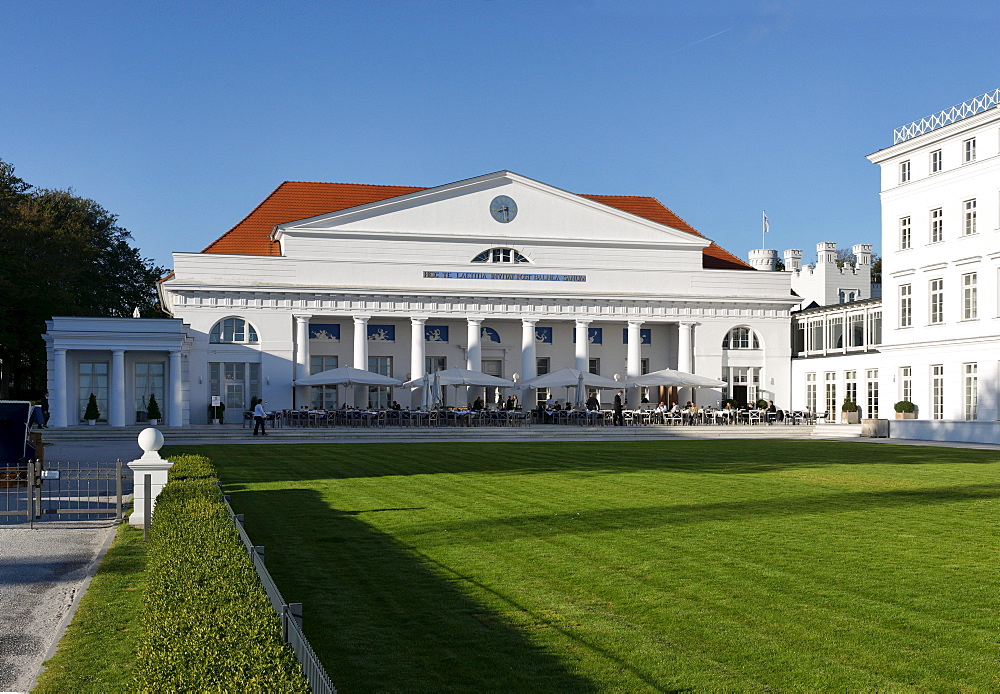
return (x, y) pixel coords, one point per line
(633, 362)
(474, 355)
(116, 396)
(150, 441)
(582, 345)
(417, 354)
(529, 361)
(361, 357)
(59, 401)
(301, 358)
(175, 411)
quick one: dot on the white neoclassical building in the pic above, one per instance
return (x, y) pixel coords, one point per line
(498, 273)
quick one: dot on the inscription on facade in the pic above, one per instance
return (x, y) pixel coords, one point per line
(530, 277)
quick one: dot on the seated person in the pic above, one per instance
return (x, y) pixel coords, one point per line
(662, 407)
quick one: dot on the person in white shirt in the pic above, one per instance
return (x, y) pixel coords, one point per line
(259, 417)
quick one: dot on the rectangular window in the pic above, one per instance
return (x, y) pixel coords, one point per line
(936, 161)
(906, 383)
(595, 366)
(904, 233)
(380, 397)
(831, 393)
(851, 385)
(93, 379)
(835, 332)
(905, 305)
(541, 368)
(971, 390)
(811, 392)
(149, 380)
(969, 150)
(872, 377)
(815, 335)
(970, 309)
(904, 171)
(937, 301)
(969, 227)
(937, 225)
(857, 330)
(937, 391)
(322, 397)
(874, 328)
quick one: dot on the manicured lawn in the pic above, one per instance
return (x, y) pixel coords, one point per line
(97, 652)
(652, 566)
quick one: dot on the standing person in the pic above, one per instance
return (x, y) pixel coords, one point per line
(259, 417)
(619, 418)
(593, 403)
(45, 410)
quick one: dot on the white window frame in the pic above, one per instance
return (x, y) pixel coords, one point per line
(906, 383)
(969, 217)
(969, 150)
(871, 375)
(937, 161)
(935, 304)
(937, 225)
(937, 391)
(811, 392)
(971, 383)
(905, 305)
(904, 171)
(970, 298)
(904, 233)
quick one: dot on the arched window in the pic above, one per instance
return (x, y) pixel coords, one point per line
(741, 337)
(232, 330)
(500, 255)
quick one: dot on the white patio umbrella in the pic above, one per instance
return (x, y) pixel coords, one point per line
(468, 377)
(670, 377)
(570, 377)
(347, 376)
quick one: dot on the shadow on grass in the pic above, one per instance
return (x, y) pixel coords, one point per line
(640, 518)
(384, 619)
(290, 462)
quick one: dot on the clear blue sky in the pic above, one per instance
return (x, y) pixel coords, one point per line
(180, 117)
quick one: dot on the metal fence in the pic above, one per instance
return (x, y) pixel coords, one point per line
(62, 490)
(289, 613)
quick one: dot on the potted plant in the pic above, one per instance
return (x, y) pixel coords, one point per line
(153, 411)
(216, 412)
(905, 410)
(849, 412)
(762, 404)
(92, 414)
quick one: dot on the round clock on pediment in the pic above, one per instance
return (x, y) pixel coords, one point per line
(503, 209)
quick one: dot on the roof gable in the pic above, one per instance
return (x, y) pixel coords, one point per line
(298, 200)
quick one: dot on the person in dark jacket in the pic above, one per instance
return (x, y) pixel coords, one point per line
(619, 418)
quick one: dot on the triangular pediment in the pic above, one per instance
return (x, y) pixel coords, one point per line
(462, 211)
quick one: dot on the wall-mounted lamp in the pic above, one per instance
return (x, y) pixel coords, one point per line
(199, 379)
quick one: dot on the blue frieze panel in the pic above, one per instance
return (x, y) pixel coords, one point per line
(645, 336)
(595, 336)
(324, 332)
(543, 335)
(381, 333)
(490, 335)
(436, 333)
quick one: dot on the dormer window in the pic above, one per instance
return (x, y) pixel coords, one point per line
(500, 255)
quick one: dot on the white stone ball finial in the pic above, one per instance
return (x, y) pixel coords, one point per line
(150, 441)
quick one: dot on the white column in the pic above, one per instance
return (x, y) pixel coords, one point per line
(59, 401)
(175, 411)
(474, 355)
(684, 358)
(417, 360)
(529, 361)
(116, 396)
(301, 358)
(633, 363)
(582, 346)
(361, 356)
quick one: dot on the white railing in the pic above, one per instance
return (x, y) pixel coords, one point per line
(950, 115)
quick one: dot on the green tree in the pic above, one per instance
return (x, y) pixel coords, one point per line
(62, 255)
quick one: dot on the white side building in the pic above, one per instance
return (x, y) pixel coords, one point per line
(940, 342)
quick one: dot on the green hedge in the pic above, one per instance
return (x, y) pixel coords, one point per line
(188, 466)
(208, 626)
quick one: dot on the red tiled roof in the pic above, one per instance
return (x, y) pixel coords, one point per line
(294, 200)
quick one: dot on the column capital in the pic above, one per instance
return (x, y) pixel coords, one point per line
(302, 317)
(61, 351)
(635, 323)
(418, 320)
(361, 320)
(118, 352)
(584, 322)
(475, 321)
(529, 321)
